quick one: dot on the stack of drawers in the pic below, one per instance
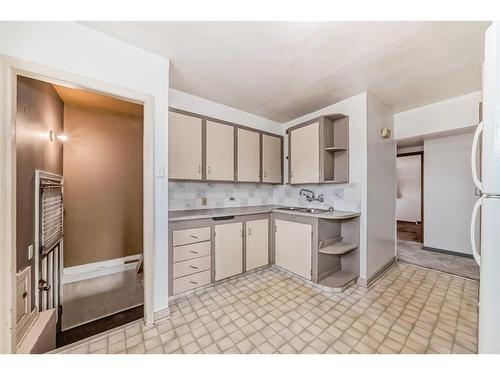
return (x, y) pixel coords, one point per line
(191, 258)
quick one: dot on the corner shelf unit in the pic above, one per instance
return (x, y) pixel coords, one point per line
(334, 158)
(338, 253)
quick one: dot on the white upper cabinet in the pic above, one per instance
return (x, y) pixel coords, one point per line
(304, 154)
(271, 159)
(248, 157)
(220, 152)
(184, 147)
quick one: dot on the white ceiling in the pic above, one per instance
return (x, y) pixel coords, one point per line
(282, 70)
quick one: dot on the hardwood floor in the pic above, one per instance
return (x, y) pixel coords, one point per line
(93, 328)
(409, 231)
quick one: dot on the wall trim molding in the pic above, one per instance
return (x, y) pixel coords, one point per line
(98, 269)
(381, 271)
(449, 252)
(162, 315)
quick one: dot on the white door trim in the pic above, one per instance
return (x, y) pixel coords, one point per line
(10, 68)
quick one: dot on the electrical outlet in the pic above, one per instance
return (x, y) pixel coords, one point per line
(30, 251)
(231, 199)
(204, 201)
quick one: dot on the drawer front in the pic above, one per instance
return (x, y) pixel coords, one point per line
(190, 282)
(195, 250)
(188, 267)
(187, 236)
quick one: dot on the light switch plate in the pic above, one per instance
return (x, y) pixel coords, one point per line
(204, 201)
(30, 251)
(160, 172)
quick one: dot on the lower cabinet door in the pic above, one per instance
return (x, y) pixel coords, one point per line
(293, 247)
(257, 243)
(228, 250)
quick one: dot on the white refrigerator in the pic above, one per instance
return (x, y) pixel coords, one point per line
(486, 249)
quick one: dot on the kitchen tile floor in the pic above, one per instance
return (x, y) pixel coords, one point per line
(410, 309)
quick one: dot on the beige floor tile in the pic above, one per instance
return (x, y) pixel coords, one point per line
(408, 310)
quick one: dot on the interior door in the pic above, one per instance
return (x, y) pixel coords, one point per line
(220, 152)
(248, 156)
(293, 247)
(184, 146)
(271, 159)
(228, 250)
(304, 154)
(257, 243)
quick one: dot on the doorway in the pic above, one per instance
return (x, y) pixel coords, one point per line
(87, 147)
(409, 201)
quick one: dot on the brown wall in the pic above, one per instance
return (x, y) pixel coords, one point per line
(39, 110)
(103, 185)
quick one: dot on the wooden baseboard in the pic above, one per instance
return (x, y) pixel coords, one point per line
(437, 250)
(377, 274)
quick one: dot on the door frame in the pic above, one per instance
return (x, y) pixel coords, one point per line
(421, 153)
(10, 68)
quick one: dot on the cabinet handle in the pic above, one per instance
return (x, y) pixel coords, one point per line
(193, 282)
(193, 252)
(249, 232)
(193, 236)
(194, 267)
(209, 170)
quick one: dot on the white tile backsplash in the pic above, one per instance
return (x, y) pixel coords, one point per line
(189, 195)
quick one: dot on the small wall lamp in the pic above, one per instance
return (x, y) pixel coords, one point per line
(60, 137)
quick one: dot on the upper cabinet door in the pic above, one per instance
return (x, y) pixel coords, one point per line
(184, 146)
(271, 159)
(248, 156)
(304, 154)
(220, 152)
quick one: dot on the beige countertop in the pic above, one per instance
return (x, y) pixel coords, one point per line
(208, 213)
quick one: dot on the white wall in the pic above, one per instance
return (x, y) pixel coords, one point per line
(201, 106)
(453, 114)
(75, 49)
(449, 193)
(408, 197)
(381, 188)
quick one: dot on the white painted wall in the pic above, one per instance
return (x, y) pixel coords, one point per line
(453, 114)
(380, 204)
(408, 196)
(201, 106)
(449, 193)
(355, 108)
(73, 48)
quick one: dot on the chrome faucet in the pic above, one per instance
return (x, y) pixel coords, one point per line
(310, 196)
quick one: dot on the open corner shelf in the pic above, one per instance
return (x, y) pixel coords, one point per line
(338, 248)
(339, 279)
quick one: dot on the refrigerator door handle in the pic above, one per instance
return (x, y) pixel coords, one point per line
(475, 142)
(476, 255)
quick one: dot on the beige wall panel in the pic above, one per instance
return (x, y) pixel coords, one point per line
(220, 152)
(248, 156)
(184, 146)
(293, 247)
(257, 243)
(39, 110)
(228, 250)
(103, 182)
(304, 154)
(271, 159)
